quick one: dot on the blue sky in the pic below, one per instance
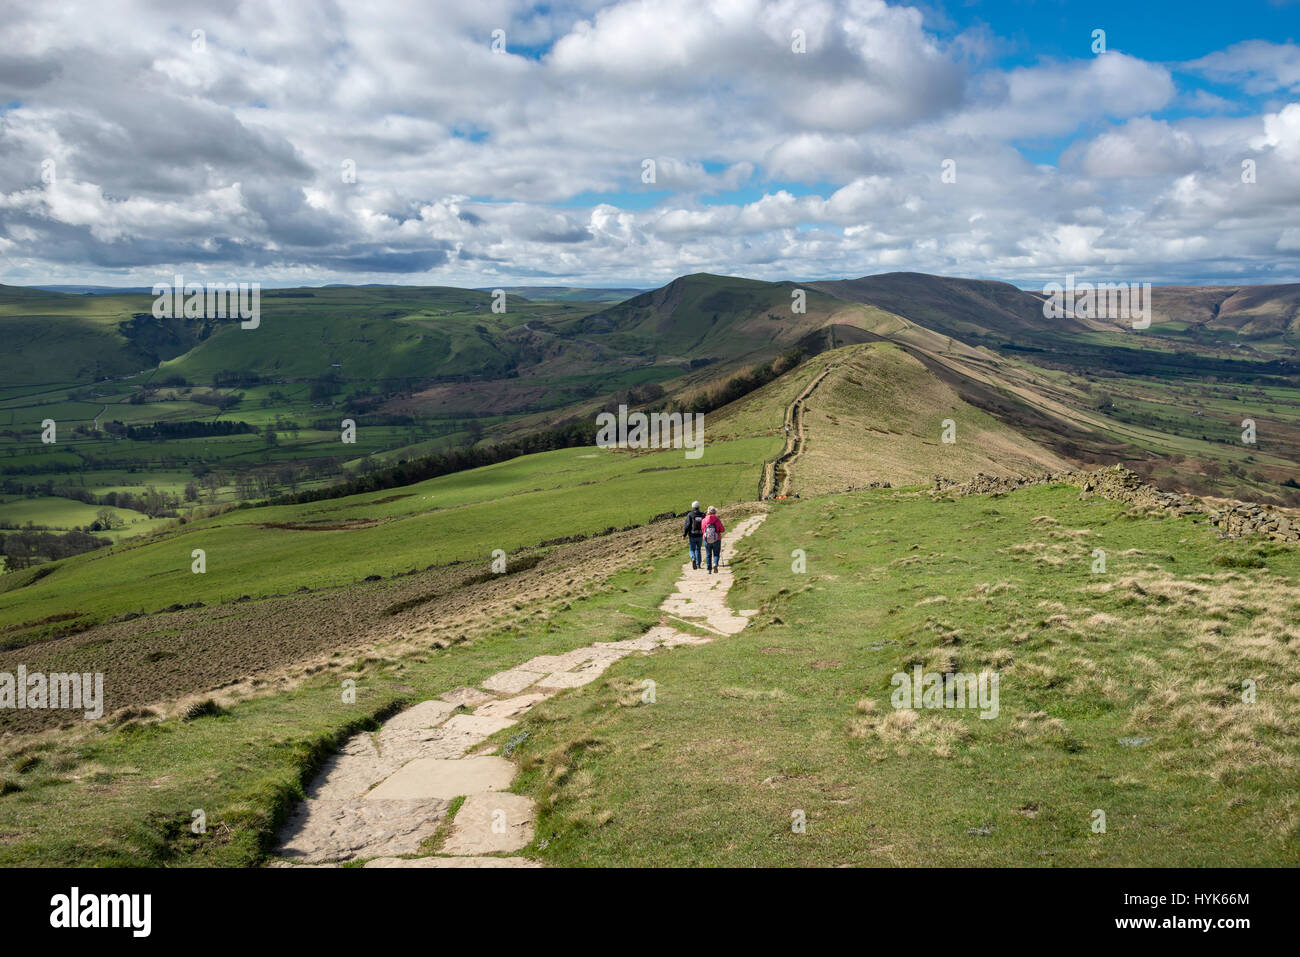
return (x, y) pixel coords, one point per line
(136, 151)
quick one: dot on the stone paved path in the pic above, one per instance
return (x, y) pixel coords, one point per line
(388, 791)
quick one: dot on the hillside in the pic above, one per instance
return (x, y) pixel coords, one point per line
(229, 696)
(1252, 312)
(707, 316)
(969, 309)
(878, 416)
(984, 310)
(421, 370)
(569, 293)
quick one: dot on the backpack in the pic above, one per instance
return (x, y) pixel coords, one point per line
(711, 533)
(696, 522)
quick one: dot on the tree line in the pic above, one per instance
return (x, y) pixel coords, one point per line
(564, 436)
(184, 430)
(26, 547)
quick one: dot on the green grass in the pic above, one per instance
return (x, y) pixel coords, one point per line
(125, 796)
(460, 517)
(59, 514)
(794, 713)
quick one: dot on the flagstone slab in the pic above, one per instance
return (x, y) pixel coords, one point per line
(510, 707)
(452, 862)
(484, 725)
(441, 778)
(681, 638)
(468, 697)
(510, 682)
(727, 624)
(426, 714)
(322, 831)
(398, 747)
(545, 664)
(351, 772)
(646, 642)
(491, 823)
(567, 679)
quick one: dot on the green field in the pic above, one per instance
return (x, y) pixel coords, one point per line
(1121, 690)
(459, 517)
(124, 796)
(794, 713)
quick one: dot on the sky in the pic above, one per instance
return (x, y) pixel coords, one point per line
(627, 142)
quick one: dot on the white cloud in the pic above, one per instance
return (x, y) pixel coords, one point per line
(776, 164)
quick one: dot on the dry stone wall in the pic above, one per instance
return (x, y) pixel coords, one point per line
(1122, 485)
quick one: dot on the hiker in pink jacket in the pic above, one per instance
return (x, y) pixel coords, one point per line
(713, 530)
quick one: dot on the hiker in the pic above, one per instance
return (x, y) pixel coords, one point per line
(693, 531)
(712, 526)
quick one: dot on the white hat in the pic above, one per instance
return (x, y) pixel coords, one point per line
(695, 504)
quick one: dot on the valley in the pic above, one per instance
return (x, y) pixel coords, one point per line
(365, 567)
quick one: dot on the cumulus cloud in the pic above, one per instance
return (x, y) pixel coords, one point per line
(311, 141)
(1259, 66)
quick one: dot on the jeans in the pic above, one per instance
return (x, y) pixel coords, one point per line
(713, 554)
(695, 541)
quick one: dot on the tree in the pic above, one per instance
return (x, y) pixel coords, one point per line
(211, 482)
(17, 554)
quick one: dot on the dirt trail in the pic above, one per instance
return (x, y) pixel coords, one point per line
(776, 474)
(387, 792)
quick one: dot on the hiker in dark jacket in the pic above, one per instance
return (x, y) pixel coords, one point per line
(693, 532)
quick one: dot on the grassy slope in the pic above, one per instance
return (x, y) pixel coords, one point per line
(794, 713)
(55, 337)
(964, 308)
(370, 334)
(711, 316)
(893, 578)
(452, 518)
(65, 513)
(124, 796)
(878, 417)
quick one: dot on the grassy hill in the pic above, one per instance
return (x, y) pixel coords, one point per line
(1252, 312)
(707, 316)
(56, 338)
(879, 416)
(455, 518)
(978, 310)
(1120, 690)
(377, 333)
(572, 293)
(969, 309)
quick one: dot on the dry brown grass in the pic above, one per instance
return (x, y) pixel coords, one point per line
(1231, 629)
